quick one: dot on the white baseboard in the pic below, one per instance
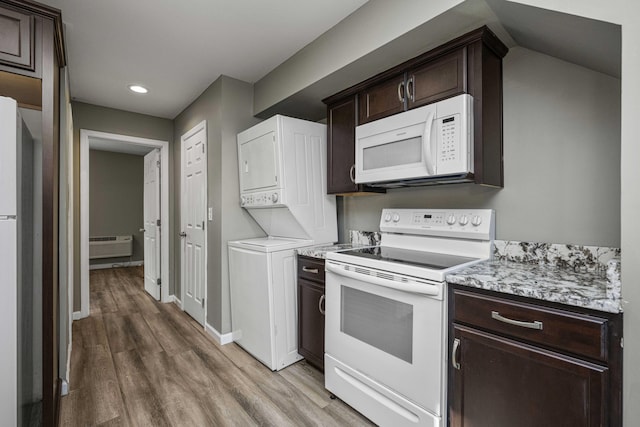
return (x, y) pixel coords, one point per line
(77, 315)
(64, 388)
(115, 265)
(174, 299)
(221, 338)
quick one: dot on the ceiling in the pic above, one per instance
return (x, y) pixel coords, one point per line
(177, 49)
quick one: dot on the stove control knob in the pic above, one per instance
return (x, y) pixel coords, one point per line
(396, 217)
(387, 217)
(477, 220)
(464, 220)
(243, 201)
(274, 197)
(451, 219)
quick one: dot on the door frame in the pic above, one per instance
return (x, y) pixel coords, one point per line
(197, 128)
(86, 136)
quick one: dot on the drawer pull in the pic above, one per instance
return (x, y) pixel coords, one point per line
(531, 325)
(454, 354)
(320, 305)
(309, 270)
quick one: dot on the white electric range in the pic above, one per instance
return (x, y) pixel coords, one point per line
(385, 324)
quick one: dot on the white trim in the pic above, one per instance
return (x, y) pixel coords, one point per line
(116, 265)
(85, 136)
(220, 338)
(64, 387)
(77, 315)
(177, 302)
(197, 128)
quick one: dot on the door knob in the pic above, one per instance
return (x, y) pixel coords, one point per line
(142, 230)
(183, 234)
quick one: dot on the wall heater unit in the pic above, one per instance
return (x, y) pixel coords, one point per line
(110, 246)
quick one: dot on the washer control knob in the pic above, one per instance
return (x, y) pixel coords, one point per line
(396, 217)
(451, 219)
(387, 217)
(477, 220)
(243, 201)
(464, 220)
(274, 197)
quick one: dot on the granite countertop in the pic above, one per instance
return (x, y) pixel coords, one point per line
(598, 289)
(320, 252)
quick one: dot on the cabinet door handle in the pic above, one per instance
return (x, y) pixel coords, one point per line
(352, 173)
(531, 325)
(401, 92)
(320, 304)
(309, 270)
(454, 354)
(410, 89)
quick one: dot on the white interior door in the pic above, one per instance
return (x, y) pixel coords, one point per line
(193, 217)
(152, 270)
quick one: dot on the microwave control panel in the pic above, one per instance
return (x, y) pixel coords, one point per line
(449, 139)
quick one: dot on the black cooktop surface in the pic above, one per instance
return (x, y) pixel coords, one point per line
(431, 260)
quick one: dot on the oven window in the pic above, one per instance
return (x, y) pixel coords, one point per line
(383, 323)
(397, 153)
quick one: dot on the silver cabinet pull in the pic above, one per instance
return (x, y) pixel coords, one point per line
(410, 89)
(531, 325)
(400, 92)
(142, 230)
(309, 270)
(352, 173)
(454, 354)
(320, 305)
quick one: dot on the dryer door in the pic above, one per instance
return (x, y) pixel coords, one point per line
(259, 163)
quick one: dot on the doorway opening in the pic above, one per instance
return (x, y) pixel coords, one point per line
(104, 141)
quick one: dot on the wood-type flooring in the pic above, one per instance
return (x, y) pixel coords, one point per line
(138, 362)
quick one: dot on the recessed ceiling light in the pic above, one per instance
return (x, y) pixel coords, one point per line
(138, 89)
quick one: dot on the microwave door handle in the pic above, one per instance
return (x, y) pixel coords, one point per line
(426, 142)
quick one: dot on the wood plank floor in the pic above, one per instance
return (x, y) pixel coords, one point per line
(137, 362)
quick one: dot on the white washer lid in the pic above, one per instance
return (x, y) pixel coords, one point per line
(268, 244)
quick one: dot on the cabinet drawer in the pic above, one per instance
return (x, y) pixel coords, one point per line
(567, 331)
(311, 269)
(16, 39)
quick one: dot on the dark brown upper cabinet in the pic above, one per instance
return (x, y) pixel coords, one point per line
(471, 64)
(17, 39)
(438, 79)
(382, 100)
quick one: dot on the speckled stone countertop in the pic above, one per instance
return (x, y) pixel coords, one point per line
(320, 252)
(357, 238)
(596, 288)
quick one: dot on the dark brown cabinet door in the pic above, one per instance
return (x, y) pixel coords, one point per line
(16, 39)
(341, 140)
(436, 80)
(504, 383)
(382, 100)
(311, 322)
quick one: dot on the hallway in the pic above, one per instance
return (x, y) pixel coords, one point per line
(137, 362)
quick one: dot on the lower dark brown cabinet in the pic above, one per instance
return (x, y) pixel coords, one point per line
(504, 383)
(311, 310)
(520, 362)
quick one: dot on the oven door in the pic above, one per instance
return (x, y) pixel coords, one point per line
(392, 332)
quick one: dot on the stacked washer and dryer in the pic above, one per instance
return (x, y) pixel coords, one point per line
(282, 166)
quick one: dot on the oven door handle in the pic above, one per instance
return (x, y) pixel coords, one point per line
(416, 287)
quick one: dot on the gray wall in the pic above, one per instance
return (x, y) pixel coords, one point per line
(93, 117)
(226, 105)
(116, 199)
(561, 160)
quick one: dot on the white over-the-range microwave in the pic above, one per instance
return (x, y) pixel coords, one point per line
(433, 143)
